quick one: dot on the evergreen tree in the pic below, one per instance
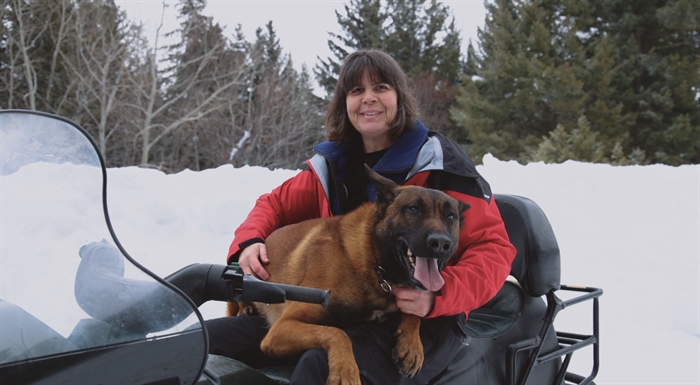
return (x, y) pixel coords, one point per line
(364, 26)
(582, 144)
(629, 68)
(658, 45)
(469, 67)
(419, 36)
(191, 79)
(579, 143)
(198, 37)
(415, 40)
(525, 84)
(283, 118)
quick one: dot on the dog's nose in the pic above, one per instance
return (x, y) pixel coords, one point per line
(439, 243)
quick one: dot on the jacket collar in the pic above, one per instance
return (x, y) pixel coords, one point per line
(400, 157)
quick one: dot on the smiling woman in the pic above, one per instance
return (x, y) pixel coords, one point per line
(372, 120)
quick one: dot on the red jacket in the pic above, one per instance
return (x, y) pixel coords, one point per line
(418, 158)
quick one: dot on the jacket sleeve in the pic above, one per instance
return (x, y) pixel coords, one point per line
(485, 255)
(297, 199)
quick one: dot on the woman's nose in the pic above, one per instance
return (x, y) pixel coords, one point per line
(369, 97)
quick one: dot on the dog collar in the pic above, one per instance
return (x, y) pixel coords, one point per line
(382, 281)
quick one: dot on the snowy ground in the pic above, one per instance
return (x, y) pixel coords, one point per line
(633, 231)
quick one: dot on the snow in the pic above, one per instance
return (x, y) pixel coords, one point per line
(633, 231)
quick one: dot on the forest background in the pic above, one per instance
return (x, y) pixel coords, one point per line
(602, 81)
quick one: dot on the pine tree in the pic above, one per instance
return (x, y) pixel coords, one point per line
(282, 118)
(525, 84)
(413, 38)
(659, 45)
(641, 75)
(363, 26)
(629, 67)
(582, 144)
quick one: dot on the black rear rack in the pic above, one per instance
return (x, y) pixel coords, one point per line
(568, 342)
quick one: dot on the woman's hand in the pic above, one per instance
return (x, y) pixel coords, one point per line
(252, 259)
(414, 301)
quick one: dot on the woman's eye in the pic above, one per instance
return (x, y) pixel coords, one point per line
(356, 90)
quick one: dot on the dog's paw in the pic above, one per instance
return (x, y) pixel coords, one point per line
(409, 359)
(344, 375)
(408, 353)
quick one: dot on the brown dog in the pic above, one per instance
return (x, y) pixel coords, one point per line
(404, 239)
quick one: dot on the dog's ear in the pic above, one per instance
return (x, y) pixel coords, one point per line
(386, 188)
(462, 208)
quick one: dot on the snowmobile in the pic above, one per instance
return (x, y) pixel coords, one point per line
(111, 320)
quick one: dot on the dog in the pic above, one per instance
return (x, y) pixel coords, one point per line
(402, 239)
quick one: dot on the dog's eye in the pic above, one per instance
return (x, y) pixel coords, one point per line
(452, 216)
(413, 209)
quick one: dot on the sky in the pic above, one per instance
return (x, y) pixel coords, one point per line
(302, 26)
(632, 231)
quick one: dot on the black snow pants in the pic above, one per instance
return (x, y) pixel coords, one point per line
(239, 338)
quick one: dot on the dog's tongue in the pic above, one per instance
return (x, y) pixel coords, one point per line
(428, 274)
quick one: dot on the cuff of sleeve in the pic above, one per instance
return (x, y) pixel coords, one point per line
(431, 314)
(241, 246)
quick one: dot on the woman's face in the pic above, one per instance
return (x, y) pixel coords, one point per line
(371, 109)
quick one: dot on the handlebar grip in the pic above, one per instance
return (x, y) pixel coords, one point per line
(306, 294)
(256, 290)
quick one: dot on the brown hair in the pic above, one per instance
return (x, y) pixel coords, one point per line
(381, 68)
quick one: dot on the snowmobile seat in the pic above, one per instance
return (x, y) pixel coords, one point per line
(516, 313)
(514, 332)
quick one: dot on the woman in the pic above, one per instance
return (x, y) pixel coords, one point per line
(372, 119)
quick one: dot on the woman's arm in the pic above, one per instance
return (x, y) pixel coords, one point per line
(299, 198)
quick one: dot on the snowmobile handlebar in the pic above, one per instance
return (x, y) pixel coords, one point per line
(204, 282)
(255, 290)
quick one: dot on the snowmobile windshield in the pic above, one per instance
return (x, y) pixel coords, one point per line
(74, 306)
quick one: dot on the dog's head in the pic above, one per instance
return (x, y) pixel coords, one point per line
(417, 232)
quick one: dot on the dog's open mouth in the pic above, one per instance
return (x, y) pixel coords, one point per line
(424, 270)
